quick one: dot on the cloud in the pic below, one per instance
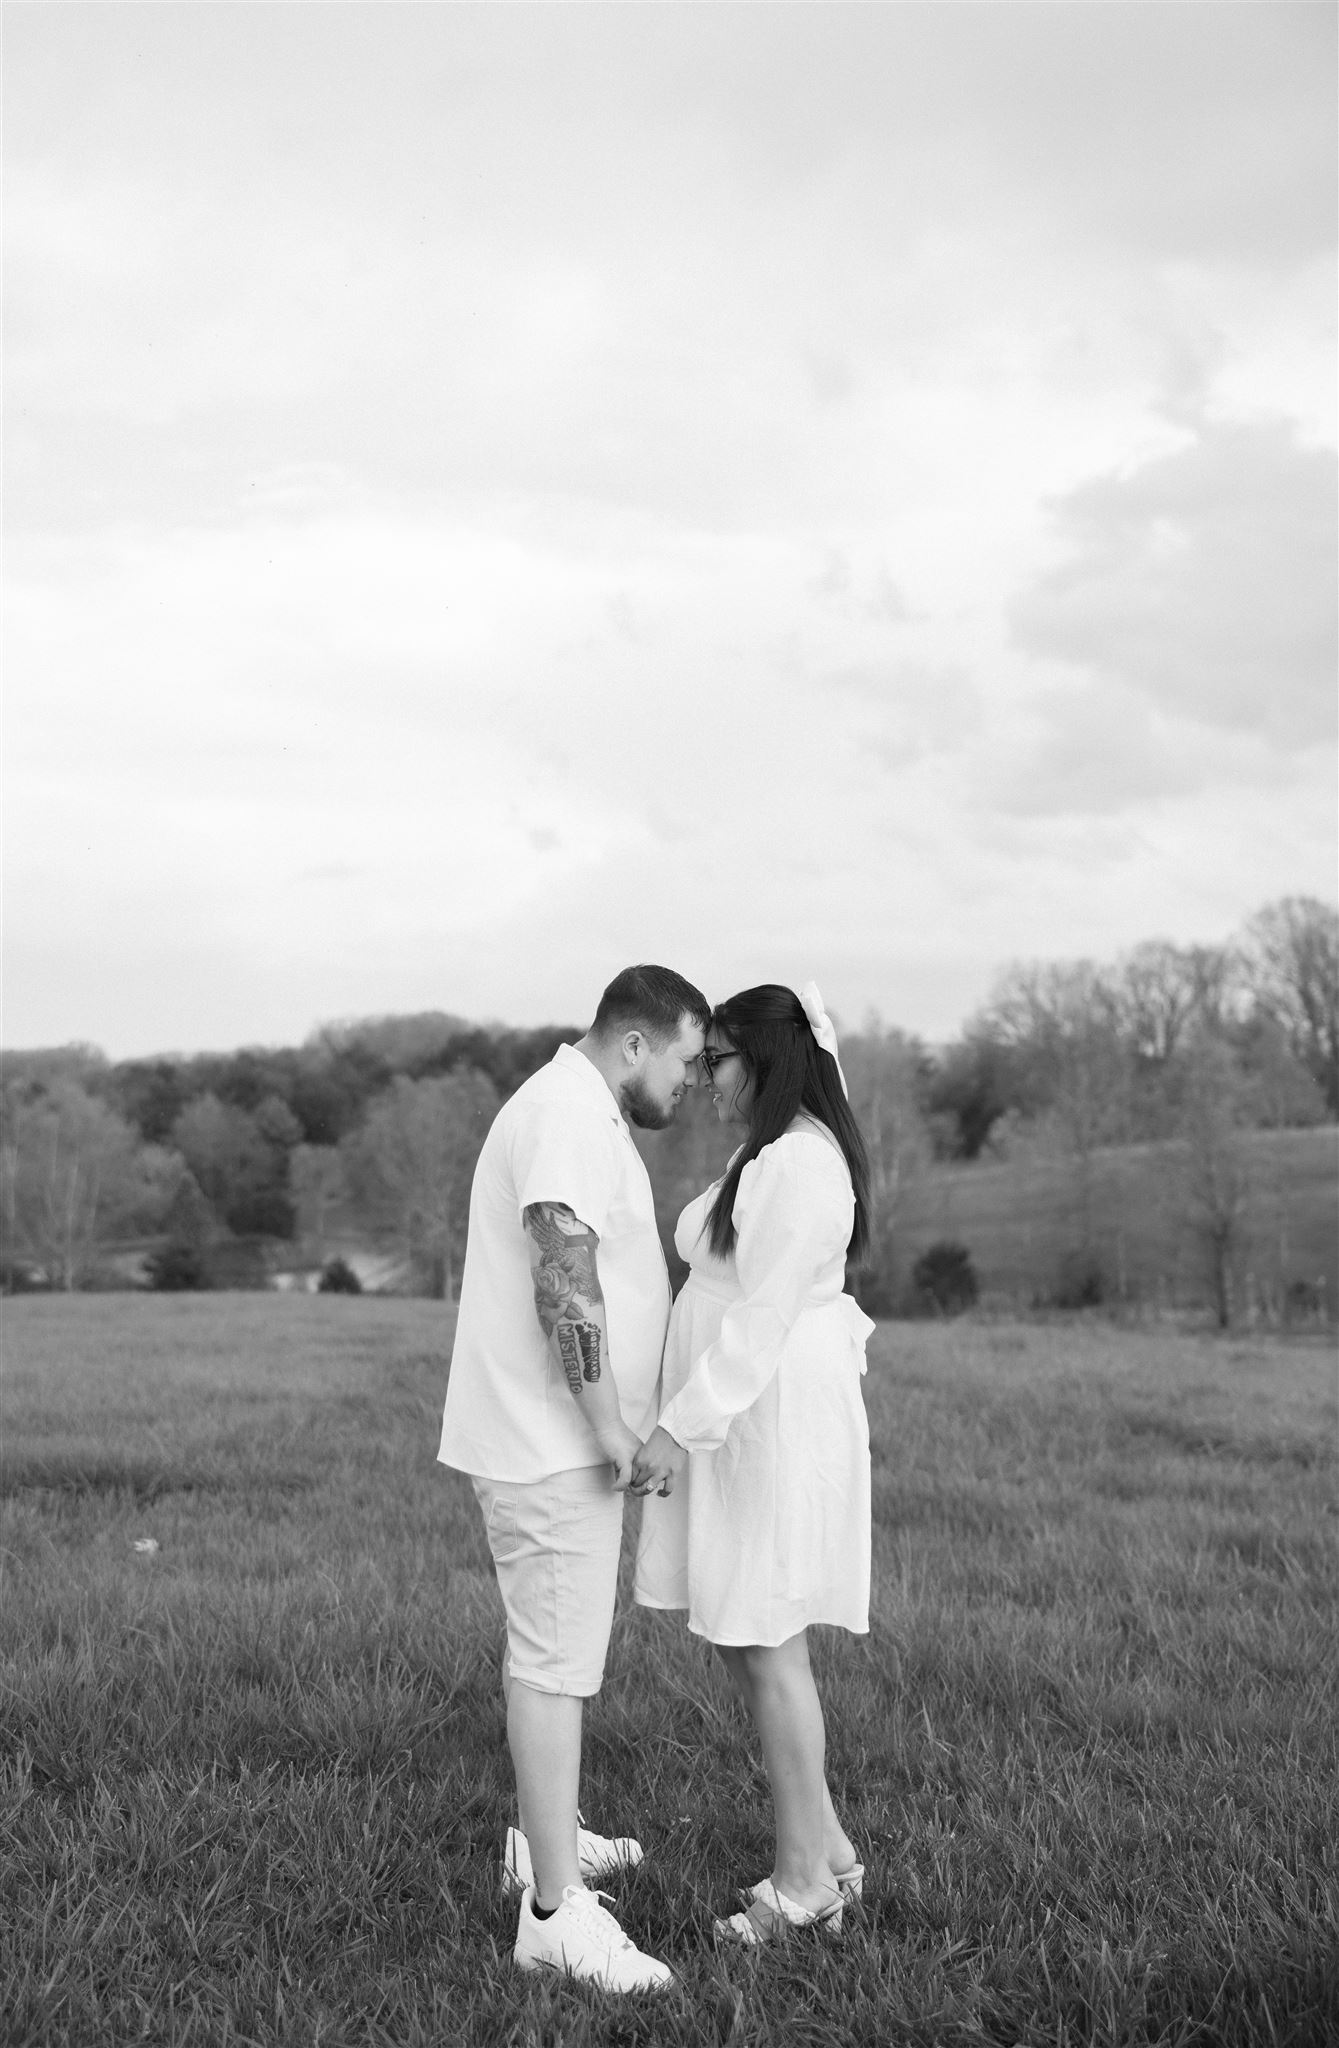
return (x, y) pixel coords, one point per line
(466, 460)
(1103, 751)
(1203, 583)
(905, 710)
(860, 593)
(1179, 131)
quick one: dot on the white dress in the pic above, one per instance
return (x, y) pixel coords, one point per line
(768, 1529)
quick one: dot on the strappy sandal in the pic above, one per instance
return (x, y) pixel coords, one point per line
(850, 1883)
(770, 1916)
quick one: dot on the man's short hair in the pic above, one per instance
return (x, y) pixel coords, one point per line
(651, 999)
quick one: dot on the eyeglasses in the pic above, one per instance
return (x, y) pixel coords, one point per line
(712, 1059)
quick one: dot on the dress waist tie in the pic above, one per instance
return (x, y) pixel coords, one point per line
(859, 1326)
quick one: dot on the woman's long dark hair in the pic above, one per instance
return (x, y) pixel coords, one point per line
(790, 1072)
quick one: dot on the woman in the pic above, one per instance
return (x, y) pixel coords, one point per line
(768, 1529)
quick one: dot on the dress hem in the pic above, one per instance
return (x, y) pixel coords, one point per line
(744, 1642)
(759, 1643)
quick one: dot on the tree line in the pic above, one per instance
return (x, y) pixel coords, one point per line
(1107, 1051)
(232, 1163)
(239, 1160)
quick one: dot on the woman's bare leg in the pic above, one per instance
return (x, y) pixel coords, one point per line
(785, 1707)
(733, 1661)
(838, 1847)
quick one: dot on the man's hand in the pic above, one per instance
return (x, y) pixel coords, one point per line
(658, 1464)
(621, 1446)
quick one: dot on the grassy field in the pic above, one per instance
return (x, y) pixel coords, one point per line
(254, 1780)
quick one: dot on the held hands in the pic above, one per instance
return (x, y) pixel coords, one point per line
(658, 1464)
(642, 1468)
(621, 1446)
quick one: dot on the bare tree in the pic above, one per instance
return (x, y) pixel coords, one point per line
(1063, 1019)
(1165, 995)
(315, 1186)
(1156, 986)
(883, 1072)
(410, 1164)
(1218, 976)
(1283, 1092)
(71, 1176)
(1218, 1182)
(1292, 949)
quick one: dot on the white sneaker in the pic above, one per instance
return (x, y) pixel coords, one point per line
(583, 1940)
(597, 1856)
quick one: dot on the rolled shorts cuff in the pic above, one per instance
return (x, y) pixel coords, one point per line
(555, 1545)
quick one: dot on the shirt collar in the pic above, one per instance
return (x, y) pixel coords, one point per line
(574, 1062)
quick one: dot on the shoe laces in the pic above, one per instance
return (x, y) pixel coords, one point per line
(594, 1918)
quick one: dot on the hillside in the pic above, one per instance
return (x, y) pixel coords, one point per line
(1023, 1222)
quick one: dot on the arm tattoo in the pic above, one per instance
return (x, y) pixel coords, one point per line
(567, 1351)
(579, 1349)
(567, 1282)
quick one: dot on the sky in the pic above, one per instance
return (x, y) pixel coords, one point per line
(496, 492)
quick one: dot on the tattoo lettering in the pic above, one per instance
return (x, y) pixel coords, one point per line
(571, 1357)
(579, 1350)
(588, 1336)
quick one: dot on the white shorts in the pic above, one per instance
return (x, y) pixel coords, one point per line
(555, 1545)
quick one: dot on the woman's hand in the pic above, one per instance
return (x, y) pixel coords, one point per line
(658, 1464)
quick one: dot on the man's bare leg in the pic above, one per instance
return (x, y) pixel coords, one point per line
(544, 1735)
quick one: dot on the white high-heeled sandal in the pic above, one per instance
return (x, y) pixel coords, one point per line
(769, 1916)
(850, 1883)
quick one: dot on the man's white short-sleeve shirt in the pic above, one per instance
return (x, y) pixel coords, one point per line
(510, 1414)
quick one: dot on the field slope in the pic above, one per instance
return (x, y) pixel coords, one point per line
(254, 1778)
(1032, 1226)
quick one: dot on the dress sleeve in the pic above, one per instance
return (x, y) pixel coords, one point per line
(792, 1212)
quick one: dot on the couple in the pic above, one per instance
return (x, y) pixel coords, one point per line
(754, 1472)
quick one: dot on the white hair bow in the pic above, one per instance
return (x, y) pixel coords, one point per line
(821, 1025)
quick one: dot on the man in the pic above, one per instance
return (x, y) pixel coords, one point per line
(564, 1302)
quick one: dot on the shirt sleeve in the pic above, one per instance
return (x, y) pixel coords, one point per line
(567, 1156)
(792, 1211)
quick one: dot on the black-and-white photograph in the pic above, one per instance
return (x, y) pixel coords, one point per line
(669, 1106)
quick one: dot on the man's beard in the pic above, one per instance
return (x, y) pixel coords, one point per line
(640, 1107)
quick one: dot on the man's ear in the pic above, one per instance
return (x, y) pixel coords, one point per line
(633, 1041)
